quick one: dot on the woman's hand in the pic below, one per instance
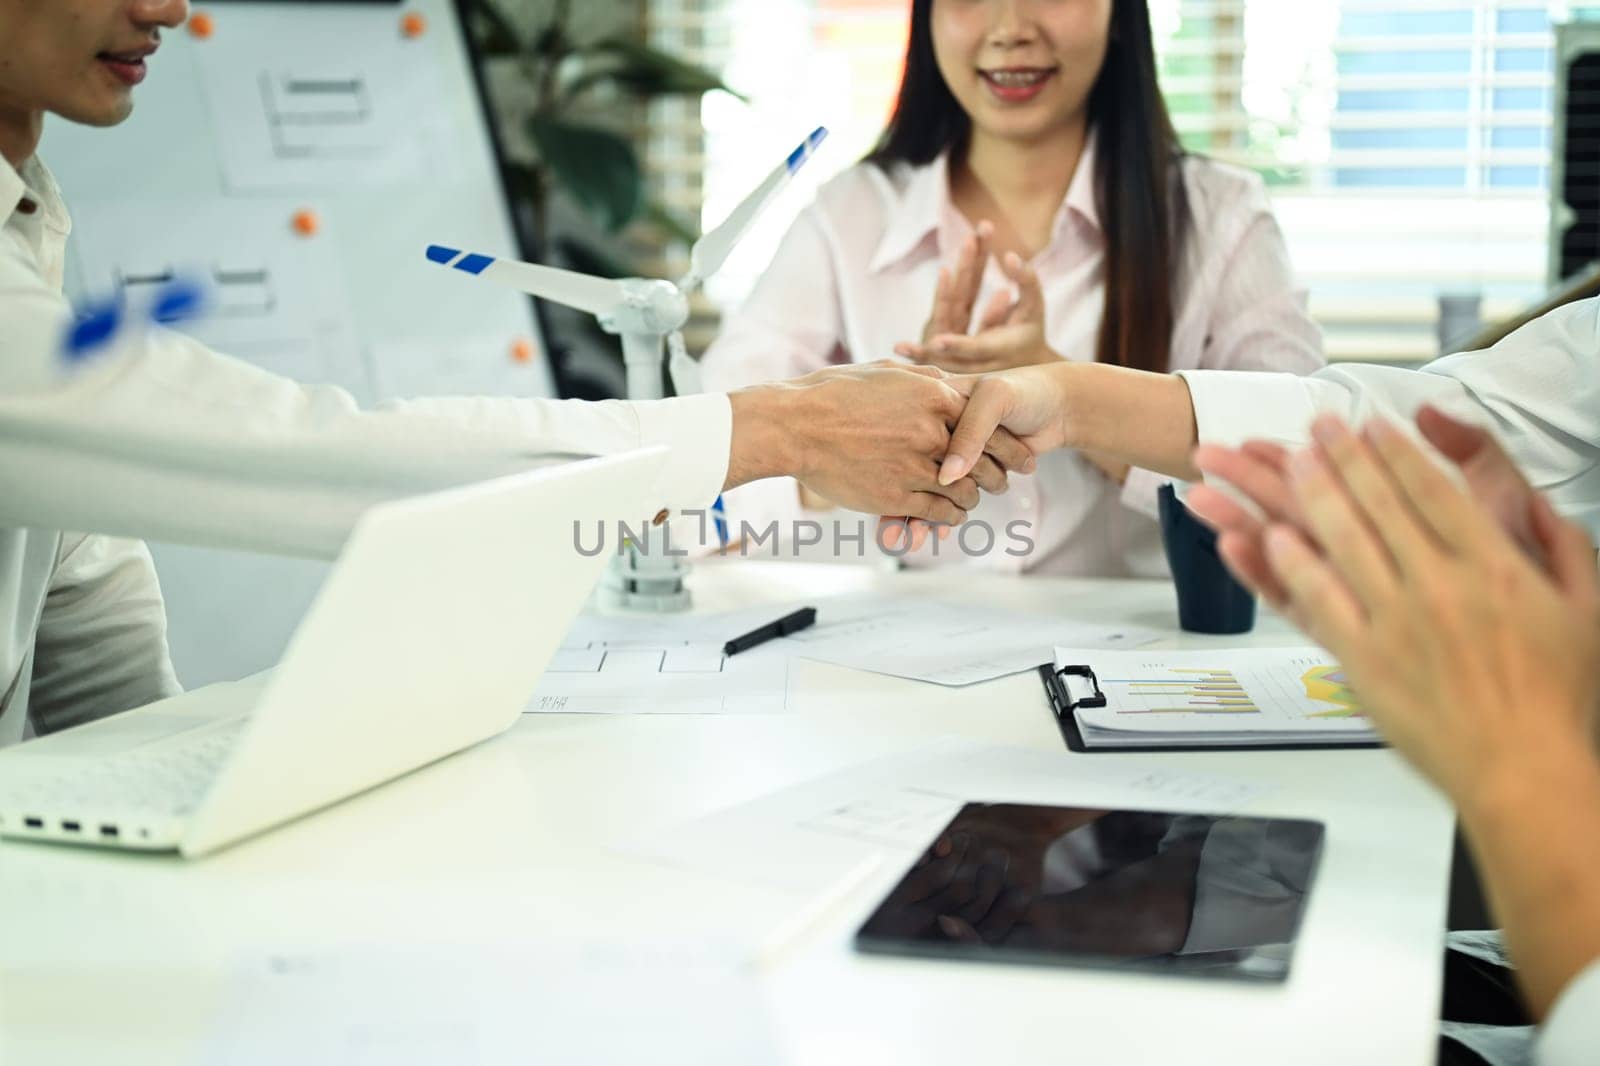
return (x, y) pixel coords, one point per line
(1476, 662)
(1010, 331)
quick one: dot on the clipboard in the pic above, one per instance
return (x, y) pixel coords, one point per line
(1063, 706)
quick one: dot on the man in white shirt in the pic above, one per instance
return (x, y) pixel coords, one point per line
(166, 439)
(1537, 391)
(1477, 653)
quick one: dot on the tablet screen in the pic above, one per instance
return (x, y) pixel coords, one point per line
(1185, 893)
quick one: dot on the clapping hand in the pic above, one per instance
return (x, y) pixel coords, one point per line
(1475, 655)
(1010, 330)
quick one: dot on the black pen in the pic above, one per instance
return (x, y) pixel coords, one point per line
(804, 618)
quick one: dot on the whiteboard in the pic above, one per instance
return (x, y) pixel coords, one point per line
(300, 158)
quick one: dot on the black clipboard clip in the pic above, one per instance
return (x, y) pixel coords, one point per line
(1061, 700)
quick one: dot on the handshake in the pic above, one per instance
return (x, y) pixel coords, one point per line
(876, 438)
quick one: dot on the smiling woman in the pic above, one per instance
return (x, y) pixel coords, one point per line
(1004, 100)
(1028, 203)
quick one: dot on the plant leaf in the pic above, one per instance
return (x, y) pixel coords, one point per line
(586, 258)
(596, 167)
(669, 223)
(644, 71)
(490, 28)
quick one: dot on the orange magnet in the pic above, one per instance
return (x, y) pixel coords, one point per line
(201, 26)
(413, 25)
(522, 350)
(306, 223)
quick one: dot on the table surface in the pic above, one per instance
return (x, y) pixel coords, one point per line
(515, 839)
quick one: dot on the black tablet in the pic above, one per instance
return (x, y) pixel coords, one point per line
(1194, 894)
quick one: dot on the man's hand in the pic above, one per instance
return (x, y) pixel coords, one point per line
(1010, 332)
(870, 438)
(1479, 663)
(1259, 470)
(1015, 409)
(1476, 662)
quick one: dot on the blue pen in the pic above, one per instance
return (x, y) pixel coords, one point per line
(719, 515)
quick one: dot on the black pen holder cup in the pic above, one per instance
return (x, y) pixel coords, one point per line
(1209, 599)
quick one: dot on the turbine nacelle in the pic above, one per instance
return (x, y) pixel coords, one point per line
(646, 305)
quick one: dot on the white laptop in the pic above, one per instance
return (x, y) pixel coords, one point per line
(429, 635)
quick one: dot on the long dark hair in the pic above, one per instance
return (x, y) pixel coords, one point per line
(1139, 190)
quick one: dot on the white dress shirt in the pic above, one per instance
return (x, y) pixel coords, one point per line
(162, 438)
(856, 274)
(1538, 390)
(1570, 1035)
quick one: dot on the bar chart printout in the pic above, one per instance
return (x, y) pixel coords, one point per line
(1275, 692)
(1192, 690)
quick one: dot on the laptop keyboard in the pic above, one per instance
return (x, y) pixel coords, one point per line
(167, 777)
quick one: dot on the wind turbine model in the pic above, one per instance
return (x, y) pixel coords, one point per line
(648, 314)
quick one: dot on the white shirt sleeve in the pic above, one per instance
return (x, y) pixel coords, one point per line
(1570, 1036)
(1538, 390)
(161, 438)
(101, 645)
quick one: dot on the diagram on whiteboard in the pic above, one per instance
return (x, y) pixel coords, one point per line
(272, 298)
(310, 116)
(319, 114)
(237, 291)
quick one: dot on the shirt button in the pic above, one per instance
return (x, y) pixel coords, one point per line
(27, 207)
(661, 516)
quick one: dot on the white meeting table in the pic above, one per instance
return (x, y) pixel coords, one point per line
(126, 958)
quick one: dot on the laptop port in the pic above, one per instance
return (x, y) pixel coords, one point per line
(70, 826)
(109, 831)
(33, 823)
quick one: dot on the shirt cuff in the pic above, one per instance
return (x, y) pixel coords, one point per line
(699, 432)
(1571, 1033)
(1233, 406)
(1139, 491)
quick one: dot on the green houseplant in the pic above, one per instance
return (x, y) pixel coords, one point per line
(570, 92)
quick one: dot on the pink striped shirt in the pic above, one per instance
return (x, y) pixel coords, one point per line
(856, 274)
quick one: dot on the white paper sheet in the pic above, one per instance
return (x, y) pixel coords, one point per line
(805, 837)
(330, 109)
(946, 644)
(551, 1002)
(622, 665)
